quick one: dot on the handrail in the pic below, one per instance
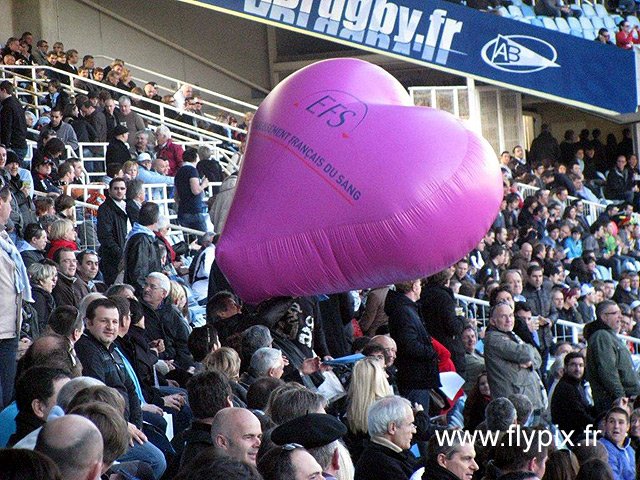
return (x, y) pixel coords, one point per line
(179, 82)
(162, 106)
(483, 306)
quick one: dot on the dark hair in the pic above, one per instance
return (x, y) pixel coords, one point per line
(82, 254)
(190, 155)
(220, 302)
(112, 170)
(522, 307)
(149, 214)
(64, 320)
(100, 302)
(201, 341)
(31, 231)
(7, 86)
(63, 202)
(209, 393)
(534, 268)
(570, 356)
(495, 251)
(276, 464)
(135, 310)
(122, 304)
(59, 252)
(23, 464)
(36, 383)
(514, 456)
(619, 410)
(260, 390)
(53, 147)
(595, 469)
(210, 465)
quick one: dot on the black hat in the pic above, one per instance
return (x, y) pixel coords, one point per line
(12, 157)
(119, 130)
(311, 431)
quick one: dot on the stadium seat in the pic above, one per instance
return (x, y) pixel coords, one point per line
(527, 11)
(633, 20)
(574, 24)
(617, 19)
(536, 22)
(587, 28)
(588, 10)
(515, 11)
(576, 33)
(523, 20)
(601, 11)
(610, 24)
(504, 12)
(517, 3)
(548, 23)
(562, 25)
(597, 23)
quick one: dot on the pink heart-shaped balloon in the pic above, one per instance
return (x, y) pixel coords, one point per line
(345, 184)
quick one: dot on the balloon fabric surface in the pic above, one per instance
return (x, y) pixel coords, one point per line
(345, 184)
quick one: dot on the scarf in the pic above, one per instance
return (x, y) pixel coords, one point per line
(20, 274)
(137, 228)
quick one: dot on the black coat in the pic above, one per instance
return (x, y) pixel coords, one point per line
(382, 463)
(112, 233)
(30, 257)
(44, 304)
(133, 211)
(85, 132)
(569, 407)
(105, 365)
(167, 324)
(417, 360)
(141, 257)
(135, 346)
(117, 152)
(13, 126)
(618, 184)
(439, 313)
(336, 314)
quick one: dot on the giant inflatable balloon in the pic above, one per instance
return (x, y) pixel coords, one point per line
(345, 184)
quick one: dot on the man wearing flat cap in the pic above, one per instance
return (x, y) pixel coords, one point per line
(320, 434)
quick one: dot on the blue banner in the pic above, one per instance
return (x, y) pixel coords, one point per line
(463, 41)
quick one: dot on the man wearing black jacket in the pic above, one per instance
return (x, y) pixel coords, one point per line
(417, 360)
(570, 410)
(112, 229)
(13, 126)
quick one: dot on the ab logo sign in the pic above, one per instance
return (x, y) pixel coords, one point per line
(519, 54)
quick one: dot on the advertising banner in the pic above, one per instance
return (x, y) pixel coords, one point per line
(462, 41)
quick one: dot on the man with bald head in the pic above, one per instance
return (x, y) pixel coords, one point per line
(75, 445)
(236, 433)
(390, 348)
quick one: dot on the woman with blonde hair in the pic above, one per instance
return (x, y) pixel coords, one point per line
(43, 278)
(227, 361)
(62, 234)
(368, 384)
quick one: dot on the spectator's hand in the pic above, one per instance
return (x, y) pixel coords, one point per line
(158, 345)
(417, 407)
(136, 435)
(205, 182)
(148, 407)
(543, 322)
(23, 345)
(528, 364)
(310, 365)
(285, 359)
(170, 364)
(175, 401)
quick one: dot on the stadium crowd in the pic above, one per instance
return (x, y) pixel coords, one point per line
(136, 360)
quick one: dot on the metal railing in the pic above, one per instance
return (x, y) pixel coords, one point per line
(201, 90)
(563, 330)
(32, 87)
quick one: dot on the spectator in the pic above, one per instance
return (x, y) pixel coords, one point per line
(15, 287)
(289, 462)
(604, 37)
(627, 36)
(112, 229)
(622, 458)
(190, 190)
(128, 118)
(165, 148)
(75, 445)
(62, 235)
(13, 126)
(43, 278)
(62, 129)
(118, 150)
(620, 184)
(609, 365)
(141, 252)
(236, 433)
(32, 251)
(417, 360)
(391, 429)
(511, 363)
(474, 361)
(449, 461)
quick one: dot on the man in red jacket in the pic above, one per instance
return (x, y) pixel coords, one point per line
(168, 150)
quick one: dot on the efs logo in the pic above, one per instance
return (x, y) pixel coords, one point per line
(336, 108)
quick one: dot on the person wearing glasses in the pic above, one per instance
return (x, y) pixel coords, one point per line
(604, 37)
(609, 365)
(290, 462)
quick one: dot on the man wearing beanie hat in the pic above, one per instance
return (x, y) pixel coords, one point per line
(320, 434)
(118, 150)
